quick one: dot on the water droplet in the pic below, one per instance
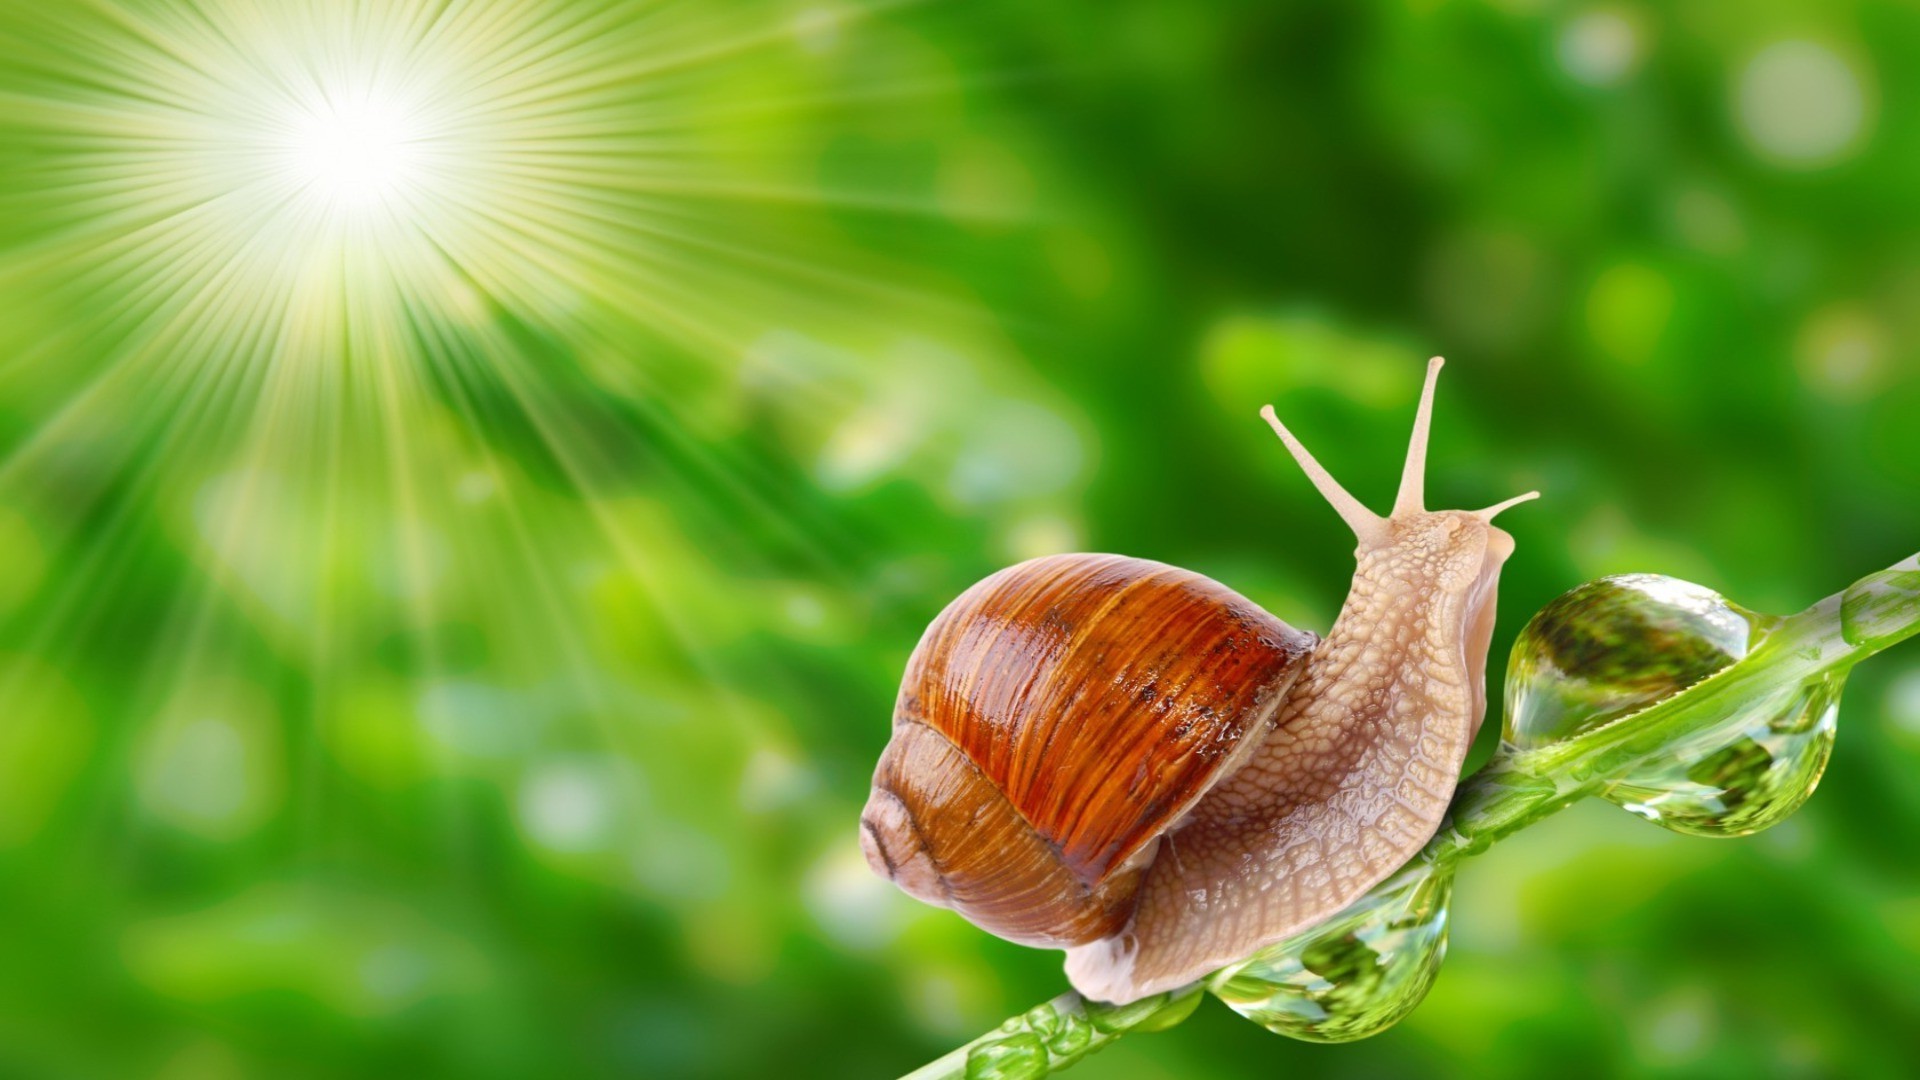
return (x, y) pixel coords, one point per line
(1875, 606)
(1741, 775)
(1050, 1037)
(1016, 1055)
(1615, 646)
(1064, 1039)
(1354, 975)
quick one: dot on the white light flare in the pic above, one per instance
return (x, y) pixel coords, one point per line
(353, 150)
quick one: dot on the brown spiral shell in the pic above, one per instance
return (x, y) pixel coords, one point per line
(1053, 722)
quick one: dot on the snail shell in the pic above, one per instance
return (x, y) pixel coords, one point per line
(1135, 763)
(1055, 719)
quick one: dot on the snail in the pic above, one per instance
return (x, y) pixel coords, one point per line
(1136, 764)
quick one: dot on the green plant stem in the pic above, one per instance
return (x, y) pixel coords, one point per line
(1515, 789)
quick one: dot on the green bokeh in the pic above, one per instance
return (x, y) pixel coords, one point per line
(521, 730)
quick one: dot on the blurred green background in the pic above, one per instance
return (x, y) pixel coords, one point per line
(448, 617)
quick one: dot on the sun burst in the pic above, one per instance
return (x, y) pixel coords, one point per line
(353, 149)
(391, 322)
(296, 276)
(401, 401)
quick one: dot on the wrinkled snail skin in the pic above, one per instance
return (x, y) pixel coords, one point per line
(1136, 764)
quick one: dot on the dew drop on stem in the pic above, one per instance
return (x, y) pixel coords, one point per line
(1355, 975)
(1744, 774)
(1613, 647)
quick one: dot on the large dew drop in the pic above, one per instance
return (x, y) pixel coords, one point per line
(1615, 646)
(1740, 776)
(1354, 975)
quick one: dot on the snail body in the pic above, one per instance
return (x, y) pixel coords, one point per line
(1136, 764)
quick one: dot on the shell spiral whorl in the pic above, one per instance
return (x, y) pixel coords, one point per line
(1054, 721)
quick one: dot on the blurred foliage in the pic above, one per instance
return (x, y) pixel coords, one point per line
(497, 698)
